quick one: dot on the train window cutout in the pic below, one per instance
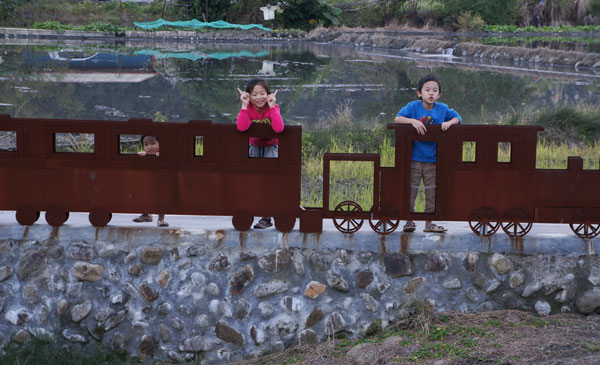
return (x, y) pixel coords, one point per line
(504, 152)
(8, 141)
(260, 153)
(469, 151)
(130, 144)
(486, 176)
(74, 143)
(345, 176)
(198, 146)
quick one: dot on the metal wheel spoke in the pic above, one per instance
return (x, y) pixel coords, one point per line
(345, 224)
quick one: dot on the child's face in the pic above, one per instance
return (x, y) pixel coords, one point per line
(151, 145)
(430, 92)
(258, 96)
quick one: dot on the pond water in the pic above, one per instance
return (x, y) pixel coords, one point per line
(315, 82)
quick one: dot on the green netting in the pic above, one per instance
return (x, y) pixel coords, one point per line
(196, 24)
(198, 55)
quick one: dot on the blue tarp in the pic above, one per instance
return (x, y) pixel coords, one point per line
(196, 24)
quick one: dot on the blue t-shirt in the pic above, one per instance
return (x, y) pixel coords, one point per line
(425, 151)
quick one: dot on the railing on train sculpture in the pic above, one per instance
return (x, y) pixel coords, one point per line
(204, 169)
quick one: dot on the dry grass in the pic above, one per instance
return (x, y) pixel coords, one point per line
(497, 337)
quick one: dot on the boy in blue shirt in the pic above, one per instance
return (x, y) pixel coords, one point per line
(419, 113)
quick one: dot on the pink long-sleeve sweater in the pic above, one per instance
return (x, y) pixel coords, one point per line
(268, 115)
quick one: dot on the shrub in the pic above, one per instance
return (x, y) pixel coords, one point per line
(467, 21)
(570, 125)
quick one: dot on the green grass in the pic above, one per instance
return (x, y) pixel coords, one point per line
(438, 351)
(590, 346)
(102, 27)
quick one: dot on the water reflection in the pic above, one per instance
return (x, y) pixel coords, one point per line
(184, 81)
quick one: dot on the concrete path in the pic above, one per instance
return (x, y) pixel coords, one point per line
(218, 233)
(211, 223)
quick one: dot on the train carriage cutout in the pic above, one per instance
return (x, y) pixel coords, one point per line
(202, 169)
(485, 175)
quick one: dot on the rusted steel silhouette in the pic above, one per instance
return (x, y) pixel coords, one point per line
(487, 191)
(222, 181)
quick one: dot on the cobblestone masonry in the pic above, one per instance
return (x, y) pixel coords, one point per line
(172, 296)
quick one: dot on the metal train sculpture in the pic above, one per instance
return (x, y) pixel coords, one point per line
(204, 169)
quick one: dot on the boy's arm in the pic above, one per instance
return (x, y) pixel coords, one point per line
(420, 127)
(452, 118)
(447, 124)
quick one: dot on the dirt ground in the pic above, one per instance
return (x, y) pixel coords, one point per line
(498, 337)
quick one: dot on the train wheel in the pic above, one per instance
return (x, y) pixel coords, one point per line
(26, 216)
(348, 225)
(516, 222)
(56, 216)
(484, 222)
(242, 221)
(382, 222)
(99, 217)
(285, 222)
(585, 230)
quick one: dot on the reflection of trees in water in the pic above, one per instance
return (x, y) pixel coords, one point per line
(313, 80)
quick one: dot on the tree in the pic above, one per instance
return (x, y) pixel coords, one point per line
(492, 12)
(307, 14)
(207, 10)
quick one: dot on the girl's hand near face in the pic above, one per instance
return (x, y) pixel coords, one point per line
(142, 153)
(244, 98)
(271, 99)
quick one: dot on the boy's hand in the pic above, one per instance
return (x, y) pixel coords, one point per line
(271, 99)
(420, 127)
(446, 126)
(142, 153)
(244, 98)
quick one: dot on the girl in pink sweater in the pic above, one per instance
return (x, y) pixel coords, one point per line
(258, 106)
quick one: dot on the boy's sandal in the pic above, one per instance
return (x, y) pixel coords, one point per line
(434, 228)
(162, 224)
(263, 223)
(410, 226)
(143, 218)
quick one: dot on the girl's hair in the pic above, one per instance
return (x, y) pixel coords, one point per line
(262, 82)
(425, 79)
(144, 136)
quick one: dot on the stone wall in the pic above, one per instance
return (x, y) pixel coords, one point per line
(173, 295)
(440, 43)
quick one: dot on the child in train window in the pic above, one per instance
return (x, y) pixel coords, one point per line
(151, 147)
(419, 113)
(258, 106)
